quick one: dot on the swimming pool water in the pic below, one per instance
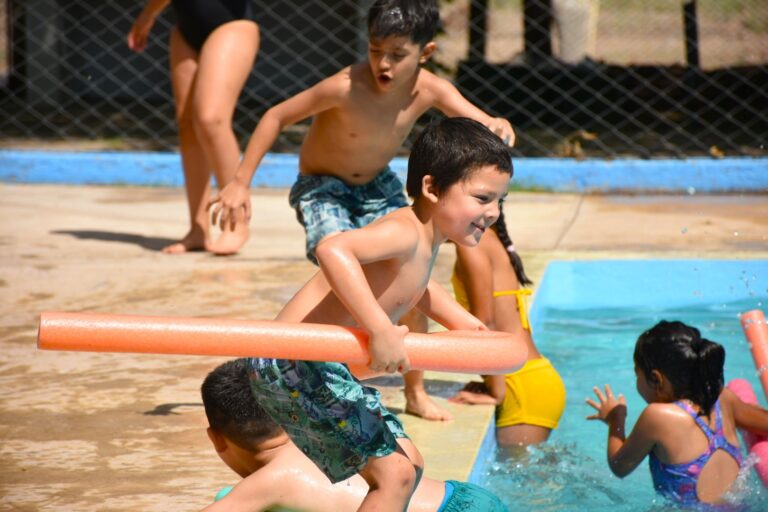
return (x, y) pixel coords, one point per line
(586, 319)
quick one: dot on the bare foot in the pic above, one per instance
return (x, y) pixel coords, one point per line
(231, 241)
(190, 243)
(423, 406)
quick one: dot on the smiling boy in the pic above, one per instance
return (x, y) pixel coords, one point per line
(360, 118)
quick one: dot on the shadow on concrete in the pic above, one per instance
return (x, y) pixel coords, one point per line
(149, 243)
(168, 409)
(435, 387)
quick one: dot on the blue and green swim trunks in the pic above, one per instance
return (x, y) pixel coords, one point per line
(335, 420)
(466, 497)
(326, 204)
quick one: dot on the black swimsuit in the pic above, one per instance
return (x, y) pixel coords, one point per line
(196, 19)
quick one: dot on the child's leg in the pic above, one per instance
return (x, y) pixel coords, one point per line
(392, 478)
(197, 174)
(521, 435)
(417, 401)
(225, 62)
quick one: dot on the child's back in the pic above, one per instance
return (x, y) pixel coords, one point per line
(487, 281)
(688, 429)
(695, 457)
(277, 475)
(503, 279)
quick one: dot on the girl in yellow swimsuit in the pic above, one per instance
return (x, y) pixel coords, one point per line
(487, 281)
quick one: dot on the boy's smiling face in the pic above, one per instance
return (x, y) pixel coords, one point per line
(470, 207)
(394, 60)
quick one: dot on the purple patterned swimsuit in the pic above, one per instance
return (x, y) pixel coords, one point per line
(678, 481)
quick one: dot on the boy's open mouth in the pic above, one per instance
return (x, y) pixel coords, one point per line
(384, 79)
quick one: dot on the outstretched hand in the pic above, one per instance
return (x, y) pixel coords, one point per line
(474, 393)
(608, 406)
(233, 200)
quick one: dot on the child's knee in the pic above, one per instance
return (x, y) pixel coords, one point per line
(412, 454)
(399, 472)
(209, 122)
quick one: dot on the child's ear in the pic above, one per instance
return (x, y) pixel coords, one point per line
(218, 440)
(656, 379)
(428, 189)
(427, 51)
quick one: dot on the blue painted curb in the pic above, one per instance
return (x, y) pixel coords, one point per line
(693, 175)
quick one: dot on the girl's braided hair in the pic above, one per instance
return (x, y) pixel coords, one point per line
(500, 227)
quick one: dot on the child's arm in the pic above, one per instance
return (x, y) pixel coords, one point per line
(624, 453)
(450, 102)
(491, 391)
(478, 282)
(139, 34)
(440, 306)
(747, 416)
(318, 98)
(341, 258)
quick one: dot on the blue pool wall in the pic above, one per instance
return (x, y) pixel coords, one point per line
(691, 175)
(665, 283)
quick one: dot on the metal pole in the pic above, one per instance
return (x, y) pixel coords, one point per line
(478, 18)
(537, 18)
(691, 24)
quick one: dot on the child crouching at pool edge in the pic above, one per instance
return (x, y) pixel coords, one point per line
(488, 280)
(277, 475)
(688, 429)
(369, 277)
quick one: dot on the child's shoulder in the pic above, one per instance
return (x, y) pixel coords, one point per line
(402, 220)
(429, 81)
(658, 412)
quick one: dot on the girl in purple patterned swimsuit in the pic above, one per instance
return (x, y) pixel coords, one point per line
(688, 429)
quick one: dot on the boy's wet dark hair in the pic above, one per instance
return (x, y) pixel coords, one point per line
(693, 365)
(451, 150)
(417, 19)
(231, 408)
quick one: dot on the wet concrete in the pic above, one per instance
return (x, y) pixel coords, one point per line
(84, 431)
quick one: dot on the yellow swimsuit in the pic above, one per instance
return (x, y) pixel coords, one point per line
(535, 393)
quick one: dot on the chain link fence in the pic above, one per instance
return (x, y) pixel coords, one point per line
(606, 78)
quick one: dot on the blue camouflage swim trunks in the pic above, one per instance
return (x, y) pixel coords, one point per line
(335, 420)
(325, 204)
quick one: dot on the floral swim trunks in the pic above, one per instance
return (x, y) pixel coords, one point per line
(325, 204)
(336, 421)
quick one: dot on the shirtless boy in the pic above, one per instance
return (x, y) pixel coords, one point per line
(360, 118)
(276, 474)
(458, 171)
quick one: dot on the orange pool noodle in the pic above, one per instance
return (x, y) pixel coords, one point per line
(483, 352)
(756, 332)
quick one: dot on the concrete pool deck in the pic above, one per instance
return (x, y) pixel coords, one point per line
(83, 431)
